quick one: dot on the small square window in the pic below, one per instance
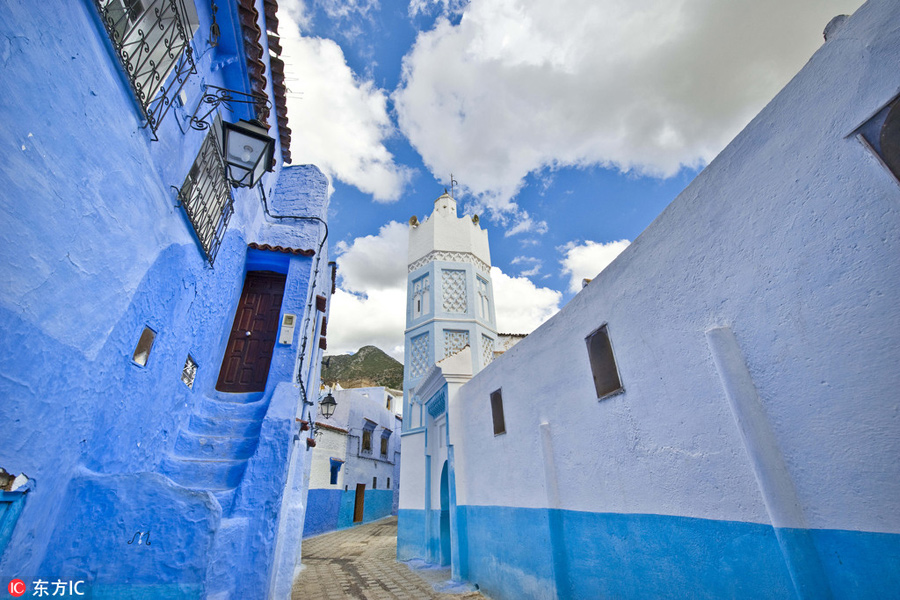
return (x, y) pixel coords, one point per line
(189, 372)
(882, 135)
(144, 345)
(497, 412)
(603, 363)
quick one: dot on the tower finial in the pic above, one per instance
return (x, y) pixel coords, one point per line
(453, 183)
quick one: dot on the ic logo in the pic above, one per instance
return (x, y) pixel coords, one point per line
(16, 587)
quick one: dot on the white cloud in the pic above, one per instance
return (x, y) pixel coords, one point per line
(375, 262)
(585, 261)
(525, 224)
(447, 7)
(642, 85)
(338, 122)
(370, 306)
(375, 320)
(520, 305)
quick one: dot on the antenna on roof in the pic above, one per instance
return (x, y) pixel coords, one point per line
(453, 183)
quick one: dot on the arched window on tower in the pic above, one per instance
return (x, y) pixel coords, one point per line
(421, 297)
(484, 300)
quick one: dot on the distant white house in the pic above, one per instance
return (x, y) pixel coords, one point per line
(355, 473)
(716, 414)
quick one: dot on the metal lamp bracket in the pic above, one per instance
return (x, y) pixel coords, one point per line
(214, 96)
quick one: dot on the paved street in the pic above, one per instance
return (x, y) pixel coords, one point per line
(361, 563)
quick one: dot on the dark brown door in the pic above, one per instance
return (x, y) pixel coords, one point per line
(360, 502)
(245, 367)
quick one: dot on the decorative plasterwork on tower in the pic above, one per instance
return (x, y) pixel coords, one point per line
(419, 363)
(454, 341)
(487, 350)
(453, 288)
(465, 257)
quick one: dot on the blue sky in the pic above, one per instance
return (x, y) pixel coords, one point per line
(569, 125)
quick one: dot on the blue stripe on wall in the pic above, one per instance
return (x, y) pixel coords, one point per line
(378, 504)
(327, 510)
(322, 510)
(510, 556)
(411, 534)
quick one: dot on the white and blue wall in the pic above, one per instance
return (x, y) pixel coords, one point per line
(95, 248)
(752, 450)
(339, 446)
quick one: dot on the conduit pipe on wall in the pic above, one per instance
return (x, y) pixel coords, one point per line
(306, 404)
(772, 475)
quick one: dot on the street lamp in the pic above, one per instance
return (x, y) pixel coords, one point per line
(327, 405)
(249, 152)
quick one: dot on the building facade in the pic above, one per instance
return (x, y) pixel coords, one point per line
(355, 475)
(450, 313)
(160, 326)
(715, 414)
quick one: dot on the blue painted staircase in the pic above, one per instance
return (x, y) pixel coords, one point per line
(212, 451)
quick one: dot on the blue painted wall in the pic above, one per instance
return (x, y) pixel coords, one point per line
(328, 510)
(411, 534)
(93, 248)
(322, 510)
(657, 556)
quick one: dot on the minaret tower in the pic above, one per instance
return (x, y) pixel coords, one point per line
(450, 298)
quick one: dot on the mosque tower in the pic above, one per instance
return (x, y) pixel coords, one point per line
(450, 298)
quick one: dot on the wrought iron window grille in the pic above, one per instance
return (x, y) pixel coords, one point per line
(152, 39)
(214, 97)
(206, 195)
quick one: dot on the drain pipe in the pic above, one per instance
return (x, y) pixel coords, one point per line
(309, 305)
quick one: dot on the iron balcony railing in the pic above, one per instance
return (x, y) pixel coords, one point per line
(153, 41)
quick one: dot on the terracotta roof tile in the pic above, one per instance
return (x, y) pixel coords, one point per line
(252, 35)
(284, 249)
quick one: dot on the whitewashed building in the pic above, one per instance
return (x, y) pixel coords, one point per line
(355, 473)
(717, 414)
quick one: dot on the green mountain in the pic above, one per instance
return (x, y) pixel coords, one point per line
(369, 367)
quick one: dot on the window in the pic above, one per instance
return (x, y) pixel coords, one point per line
(144, 345)
(484, 300)
(374, 483)
(336, 465)
(882, 135)
(367, 440)
(497, 412)
(385, 438)
(206, 196)
(389, 483)
(189, 372)
(388, 404)
(421, 296)
(152, 39)
(603, 363)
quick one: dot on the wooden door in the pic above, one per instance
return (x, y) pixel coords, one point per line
(360, 502)
(245, 366)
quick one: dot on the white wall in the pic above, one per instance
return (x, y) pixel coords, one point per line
(791, 237)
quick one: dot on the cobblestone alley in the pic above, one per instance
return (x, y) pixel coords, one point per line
(360, 563)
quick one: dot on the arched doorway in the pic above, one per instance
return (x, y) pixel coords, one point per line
(445, 516)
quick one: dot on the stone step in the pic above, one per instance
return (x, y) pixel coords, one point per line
(204, 474)
(223, 426)
(211, 407)
(200, 445)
